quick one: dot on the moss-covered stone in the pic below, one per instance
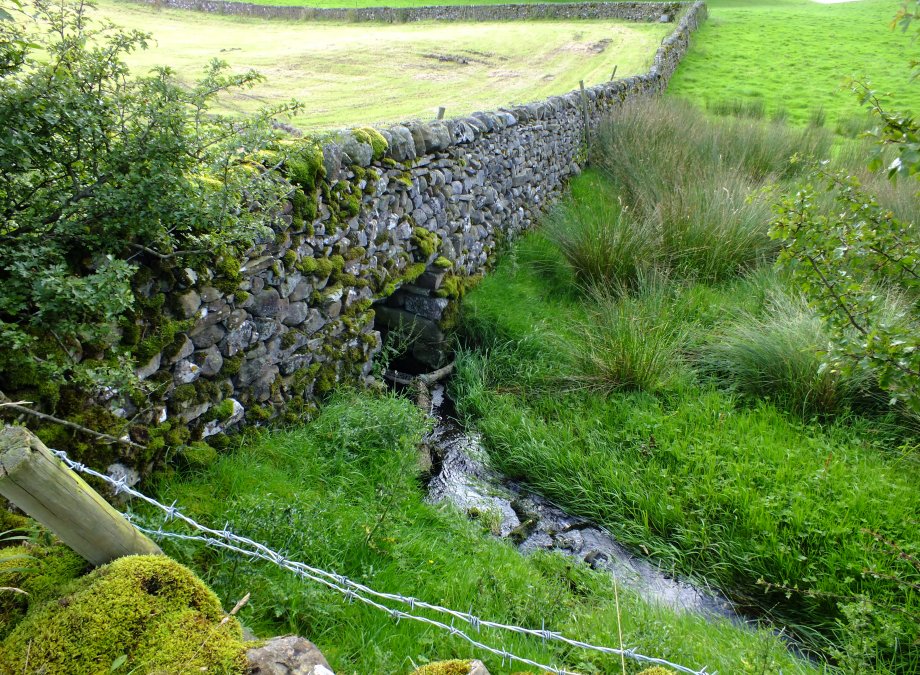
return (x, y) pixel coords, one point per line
(453, 667)
(442, 262)
(426, 241)
(374, 139)
(150, 609)
(198, 455)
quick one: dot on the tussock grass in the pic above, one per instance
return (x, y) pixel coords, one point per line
(776, 355)
(627, 341)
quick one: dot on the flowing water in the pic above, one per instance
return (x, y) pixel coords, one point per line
(462, 477)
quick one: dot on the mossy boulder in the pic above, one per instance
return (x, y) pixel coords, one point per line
(149, 609)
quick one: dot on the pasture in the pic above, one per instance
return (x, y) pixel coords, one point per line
(359, 74)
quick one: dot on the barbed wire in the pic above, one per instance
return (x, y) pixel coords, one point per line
(227, 540)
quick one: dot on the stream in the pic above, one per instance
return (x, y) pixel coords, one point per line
(461, 476)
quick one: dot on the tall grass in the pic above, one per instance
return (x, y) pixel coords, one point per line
(628, 341)
(776, 355)
(601, 242)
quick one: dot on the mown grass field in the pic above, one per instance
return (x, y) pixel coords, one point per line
(359, 74)
(793, 57)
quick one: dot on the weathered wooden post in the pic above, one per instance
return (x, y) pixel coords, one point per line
(613, 75)
(584, 109)
(41, 485)
(441, 111)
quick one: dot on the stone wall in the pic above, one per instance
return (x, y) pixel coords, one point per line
(383, 227)
(629, 11)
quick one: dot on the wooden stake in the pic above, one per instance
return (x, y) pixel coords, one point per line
(441, 111)
(584, 107)
(614, 73)
(41, 485)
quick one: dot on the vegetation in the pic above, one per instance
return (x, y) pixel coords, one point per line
(343, 493)
(792, 59)
(348, 73)
(742, 459)
(97, 169)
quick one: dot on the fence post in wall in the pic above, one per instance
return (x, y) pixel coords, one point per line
(613, 75)
(441, 111)
(40, 484)
(584, 108)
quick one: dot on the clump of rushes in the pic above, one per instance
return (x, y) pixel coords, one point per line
(600, 241)
(626, 341)
(777, 354)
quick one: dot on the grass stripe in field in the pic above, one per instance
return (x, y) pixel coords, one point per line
(351, 74)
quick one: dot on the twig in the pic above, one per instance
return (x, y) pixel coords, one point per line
(17, 406)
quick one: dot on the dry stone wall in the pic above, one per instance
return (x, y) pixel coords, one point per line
(383, 228)
(630, 11)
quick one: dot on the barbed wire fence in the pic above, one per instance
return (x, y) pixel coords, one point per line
(227, 540)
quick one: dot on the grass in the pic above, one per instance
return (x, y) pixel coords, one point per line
(342, 493)
(789, 58)
(710, 435)
(354, 4)
(359, 74)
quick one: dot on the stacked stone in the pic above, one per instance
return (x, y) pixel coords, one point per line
(627, 11)
(430, 209)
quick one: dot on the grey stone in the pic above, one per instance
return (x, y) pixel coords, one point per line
(186, 372)
(208, 336)
(188, 304)
(427, 307)
(356, 152)
(209, 361)
(149, 368)
(296, 314)
(289, 655)
(185, 350)
(210, 294)
(267, 303)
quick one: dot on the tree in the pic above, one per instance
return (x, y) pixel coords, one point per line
(99, 171)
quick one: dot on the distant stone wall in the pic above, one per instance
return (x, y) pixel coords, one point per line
(629, 11)
(383, 228)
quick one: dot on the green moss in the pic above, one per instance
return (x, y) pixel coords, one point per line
(184, 393)
(318, 267)
(40, 569)
(356, 252)
(443, 263)
(222, 411)
(426, 241)
(374, 139)
(303, 162)
(227, 267)
(232, 365)
(149, 608)
(454, 667)
(288, 339)
(162, 335)
(240, 297)
(198, 455)
(405, 178)
(260, 413)
(290, 259)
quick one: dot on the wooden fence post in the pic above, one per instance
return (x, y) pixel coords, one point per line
(41, 485)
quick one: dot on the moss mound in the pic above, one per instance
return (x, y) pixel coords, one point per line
(455, 667)
(150, 609)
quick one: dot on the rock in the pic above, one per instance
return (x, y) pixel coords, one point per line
(356, 152)
(430, 308)
(208, 336)
(186, 372)
(267, 303)
(149, 368)
(210, 294)
(289, 655)
(184, 351)
(296, 314)
(209, 361)
(188, 304)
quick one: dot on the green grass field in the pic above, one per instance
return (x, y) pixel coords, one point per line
(348, 4)
(343, 493)
(357, 74)
(796, 56)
